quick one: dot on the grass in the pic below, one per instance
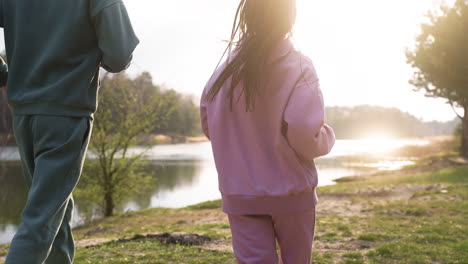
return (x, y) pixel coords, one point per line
(429, 226)
(206, 205)
(4, 249)
(353, 258)
(148, 252)
(408, 217)
(210, 222)
(449, 175)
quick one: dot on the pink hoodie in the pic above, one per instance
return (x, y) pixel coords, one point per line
(265, 158)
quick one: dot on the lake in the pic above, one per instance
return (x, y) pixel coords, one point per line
(186, 175)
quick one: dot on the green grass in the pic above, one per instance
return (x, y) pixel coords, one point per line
(199, 219)
(206, 205)
(429, 227)
(353, 258)
(401, 217)
(158, 220)
(329, 237)
(448, 176)
(377, 187)
(150, 252)
(323, 258)
(4, 249)
(372, 237)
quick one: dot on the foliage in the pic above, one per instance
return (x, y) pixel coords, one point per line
(441, 59)
(441, 54)
(127, 109)
(185, 119)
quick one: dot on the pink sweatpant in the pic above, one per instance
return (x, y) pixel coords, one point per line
(254, 237)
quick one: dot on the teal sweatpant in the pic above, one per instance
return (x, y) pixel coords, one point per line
(53, 150)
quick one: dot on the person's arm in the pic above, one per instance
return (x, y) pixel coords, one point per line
(307, 132)
(204, 116)
(116, 37)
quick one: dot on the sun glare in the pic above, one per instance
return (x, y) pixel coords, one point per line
(359, 48)
(379, 144)
(378, 137)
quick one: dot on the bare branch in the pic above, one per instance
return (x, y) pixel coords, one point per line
(452, 104)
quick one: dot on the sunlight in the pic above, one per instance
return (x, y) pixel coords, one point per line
(375, 145)
(380, 142)
(380, 145)
(356, 45)
(378, 136)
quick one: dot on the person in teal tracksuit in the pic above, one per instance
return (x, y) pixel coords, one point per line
(54, 51)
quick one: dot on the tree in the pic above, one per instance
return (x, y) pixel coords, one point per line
(441, 60)
(185, 120)
(127, 108)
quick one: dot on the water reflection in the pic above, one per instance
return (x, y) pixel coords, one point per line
(12, 193)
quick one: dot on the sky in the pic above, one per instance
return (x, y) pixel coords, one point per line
(358, 47)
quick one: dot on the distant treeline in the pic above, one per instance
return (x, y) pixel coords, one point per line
(348, 122)
(368, 121)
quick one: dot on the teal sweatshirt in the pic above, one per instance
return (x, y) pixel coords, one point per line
(54, 50)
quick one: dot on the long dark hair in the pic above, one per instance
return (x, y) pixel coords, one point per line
(259, 25)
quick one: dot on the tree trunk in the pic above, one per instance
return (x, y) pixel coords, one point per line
(464, 135)
(109, 204)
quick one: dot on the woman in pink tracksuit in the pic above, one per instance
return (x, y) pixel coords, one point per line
(264, 114)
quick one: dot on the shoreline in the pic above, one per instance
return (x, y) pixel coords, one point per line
(361, 219)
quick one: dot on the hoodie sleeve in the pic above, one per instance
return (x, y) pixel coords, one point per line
(3, 72)
(307, 132)
(204, 115)
(115, 34)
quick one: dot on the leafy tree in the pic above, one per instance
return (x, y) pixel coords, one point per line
(185, 120)
(127, 109)
(441, 60)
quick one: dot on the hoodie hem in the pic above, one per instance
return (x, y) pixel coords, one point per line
(269, 205)
(50, 110)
